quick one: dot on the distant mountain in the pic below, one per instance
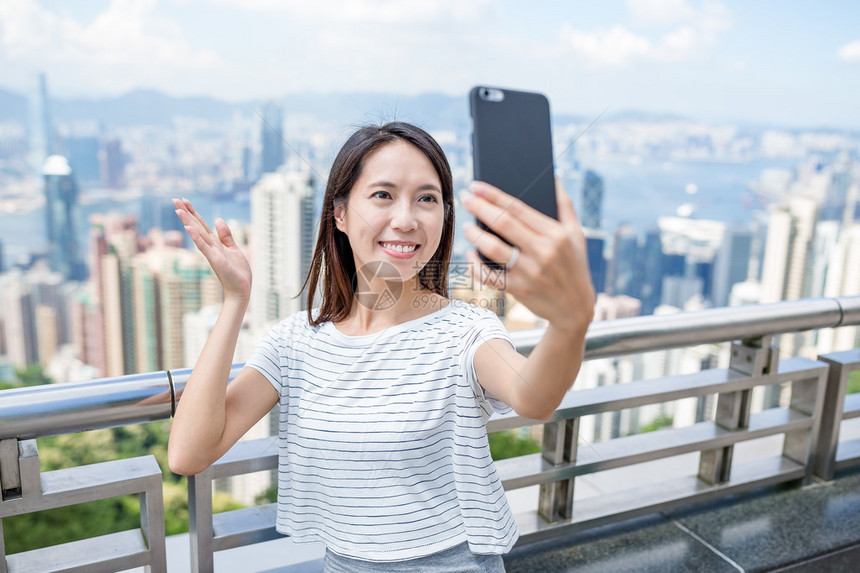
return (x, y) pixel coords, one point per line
(13, 106)
(646, 116)
(434, 111)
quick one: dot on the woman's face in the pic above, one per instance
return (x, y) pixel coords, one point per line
(395, 212)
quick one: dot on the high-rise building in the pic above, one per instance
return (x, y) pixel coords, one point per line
(592, 200)
(732, 263)
(247, 163)
(112, 164)
(785, 264)
(825, 240)
(61, 218)
(2, 267)
(595, 244)
(19, 320)
(843, 279)
(676, 291)
(272, 138)
(651, 272)
(147, 319)
(613, 307)
(282, 227)
(622, 269)
(40, 128)
(83, 155)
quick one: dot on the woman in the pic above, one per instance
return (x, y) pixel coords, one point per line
(385, 388)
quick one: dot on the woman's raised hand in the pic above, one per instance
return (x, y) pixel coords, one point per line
(224, 256)
(550, 275)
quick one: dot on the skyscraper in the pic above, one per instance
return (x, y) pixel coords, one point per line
(112, 164)
(843, 278)
(786, 261)
(592, 200)
(271, 135)
(40, 128)
(61, 218)
(651, 272)
(595, 243)
(282, 227)
(623, 279)
(732, 263)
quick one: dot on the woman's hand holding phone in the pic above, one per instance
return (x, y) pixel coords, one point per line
(224, 256)
(550, 275)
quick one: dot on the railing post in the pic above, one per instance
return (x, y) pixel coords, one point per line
(10, 472)
(753, 357)
(559, 447)
(841, 365)
(200, 531)
(4, 568)
(152, 524)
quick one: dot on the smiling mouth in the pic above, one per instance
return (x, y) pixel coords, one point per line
(399, 248)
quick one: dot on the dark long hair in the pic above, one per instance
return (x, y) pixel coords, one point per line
(333, 258)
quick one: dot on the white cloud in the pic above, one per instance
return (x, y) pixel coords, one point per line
(126, 46)
(659, 12)
(370, 11)
(850, 52)
(613, 48)
(692, 32)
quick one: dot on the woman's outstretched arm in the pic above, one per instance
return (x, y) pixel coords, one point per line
(551, 278)
(210, 416)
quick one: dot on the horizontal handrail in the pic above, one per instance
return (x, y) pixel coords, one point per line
(54, 409)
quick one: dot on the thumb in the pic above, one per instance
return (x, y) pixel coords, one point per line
(224, 234)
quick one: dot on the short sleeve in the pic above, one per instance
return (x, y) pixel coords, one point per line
(487, 327)
(266, 357)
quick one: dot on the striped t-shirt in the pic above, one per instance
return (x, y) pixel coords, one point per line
(383, 451)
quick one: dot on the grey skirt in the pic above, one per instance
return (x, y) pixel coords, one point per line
(457, 559)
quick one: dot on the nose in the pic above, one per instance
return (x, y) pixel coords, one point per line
(403, 217)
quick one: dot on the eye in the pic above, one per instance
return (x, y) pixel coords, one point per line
(432, 198)
(376, 193)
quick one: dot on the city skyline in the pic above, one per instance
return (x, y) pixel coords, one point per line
(788, 63)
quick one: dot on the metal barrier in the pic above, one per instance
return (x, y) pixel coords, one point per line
(810, 424)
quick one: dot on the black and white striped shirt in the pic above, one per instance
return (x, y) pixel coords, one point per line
(383, 451)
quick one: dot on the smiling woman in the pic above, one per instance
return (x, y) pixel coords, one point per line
(385, 389)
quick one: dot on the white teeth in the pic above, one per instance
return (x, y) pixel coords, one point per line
(400, 248)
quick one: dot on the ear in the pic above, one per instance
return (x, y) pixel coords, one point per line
(339, 212)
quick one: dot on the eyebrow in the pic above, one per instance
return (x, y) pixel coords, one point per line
(390, 185)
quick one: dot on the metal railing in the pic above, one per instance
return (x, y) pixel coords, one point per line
(810, 424)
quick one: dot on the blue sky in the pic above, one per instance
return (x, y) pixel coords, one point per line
(787, 63)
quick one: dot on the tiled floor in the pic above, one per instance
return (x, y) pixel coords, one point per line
(781, 528)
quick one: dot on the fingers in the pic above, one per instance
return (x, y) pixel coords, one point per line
(491, 246)
(518, 208)
(224, 233)
(493, 278)
(500, 219)
(186, 205)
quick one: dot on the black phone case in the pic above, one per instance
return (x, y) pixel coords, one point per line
(512, 148)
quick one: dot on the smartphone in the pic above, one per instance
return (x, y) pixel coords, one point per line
(512, 148)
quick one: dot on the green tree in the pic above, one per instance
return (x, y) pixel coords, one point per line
(33, 375)
(661, 421)
(512, 443)
(35, 530)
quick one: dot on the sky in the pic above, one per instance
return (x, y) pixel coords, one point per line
(788, 63)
